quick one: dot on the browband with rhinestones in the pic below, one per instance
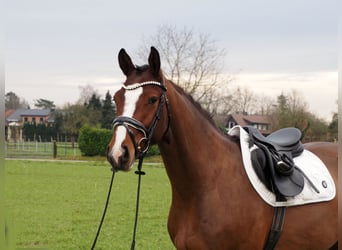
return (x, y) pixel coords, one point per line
(142, 84)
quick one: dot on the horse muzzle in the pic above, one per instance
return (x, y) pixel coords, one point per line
(120, 162)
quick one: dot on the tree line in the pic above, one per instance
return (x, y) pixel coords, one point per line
(287, 110)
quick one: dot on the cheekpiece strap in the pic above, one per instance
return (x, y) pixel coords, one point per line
(142, 84)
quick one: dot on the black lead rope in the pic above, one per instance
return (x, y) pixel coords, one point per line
(104, 210)
(139, 173)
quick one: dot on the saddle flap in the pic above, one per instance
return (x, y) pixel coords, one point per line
(289, 186)
(285, 185)
(258, 160)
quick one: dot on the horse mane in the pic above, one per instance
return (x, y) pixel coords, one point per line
(203, 111)
(196, 104)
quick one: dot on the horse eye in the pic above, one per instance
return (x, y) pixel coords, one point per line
(152, 100)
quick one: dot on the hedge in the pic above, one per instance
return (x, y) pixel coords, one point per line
(94, 141)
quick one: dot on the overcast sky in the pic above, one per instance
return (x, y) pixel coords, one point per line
(52, 48)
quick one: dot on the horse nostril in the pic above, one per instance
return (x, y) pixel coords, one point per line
(125, 154)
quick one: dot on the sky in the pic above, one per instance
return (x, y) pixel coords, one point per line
(54, 48)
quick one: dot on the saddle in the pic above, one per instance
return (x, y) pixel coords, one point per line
(272, 160)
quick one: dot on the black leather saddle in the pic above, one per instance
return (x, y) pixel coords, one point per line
(273, 160)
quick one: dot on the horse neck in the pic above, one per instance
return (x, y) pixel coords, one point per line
(196, 151)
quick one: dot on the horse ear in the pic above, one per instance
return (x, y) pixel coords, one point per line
(125, 62)
(154, 61)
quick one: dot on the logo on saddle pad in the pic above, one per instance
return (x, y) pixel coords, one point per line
(281, 171)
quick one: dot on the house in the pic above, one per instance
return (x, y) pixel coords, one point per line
(45, 116)
(21, 116)
(261, 122)
(15, 120)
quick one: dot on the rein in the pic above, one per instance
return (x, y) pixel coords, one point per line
(139, 172)
(128, 123)
(104, 210)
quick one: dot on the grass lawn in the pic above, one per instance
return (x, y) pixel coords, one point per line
(58, 205)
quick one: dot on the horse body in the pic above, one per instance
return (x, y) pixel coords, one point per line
(208, 181)
(213, 204)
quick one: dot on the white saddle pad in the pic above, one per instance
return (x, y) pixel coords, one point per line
(309, 163)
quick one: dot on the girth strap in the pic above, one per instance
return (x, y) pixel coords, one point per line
(276, 228)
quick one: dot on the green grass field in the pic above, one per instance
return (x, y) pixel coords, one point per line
(58, 205)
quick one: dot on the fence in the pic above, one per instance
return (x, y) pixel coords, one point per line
(41, 149)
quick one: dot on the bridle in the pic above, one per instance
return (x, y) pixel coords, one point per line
(140, 149)
(140, 152)
(142, 146)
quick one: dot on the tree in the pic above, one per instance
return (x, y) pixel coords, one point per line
(44, 103)
(94, 108)
(292, 111)
(12, 101)
(29, 131)
(244, 100)
(108, 111)
(219, 101)
(317, 129)
(86, 94)
(281, 112)
(264, 105)
(193, 61)
(41, 132)
(94, 102)
(74, 117)
(333, 127)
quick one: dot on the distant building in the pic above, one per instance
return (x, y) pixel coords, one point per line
(261, 122)
(8, 113)
(21, 116)
(15, 120)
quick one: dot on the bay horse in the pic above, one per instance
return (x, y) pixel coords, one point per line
(213, 204)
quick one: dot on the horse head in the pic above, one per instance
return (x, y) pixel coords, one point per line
(141, 111)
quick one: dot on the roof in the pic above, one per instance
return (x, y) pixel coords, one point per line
(245, 119)
(9, 112)
(17, 114)
(36, 112)
(252, 120)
